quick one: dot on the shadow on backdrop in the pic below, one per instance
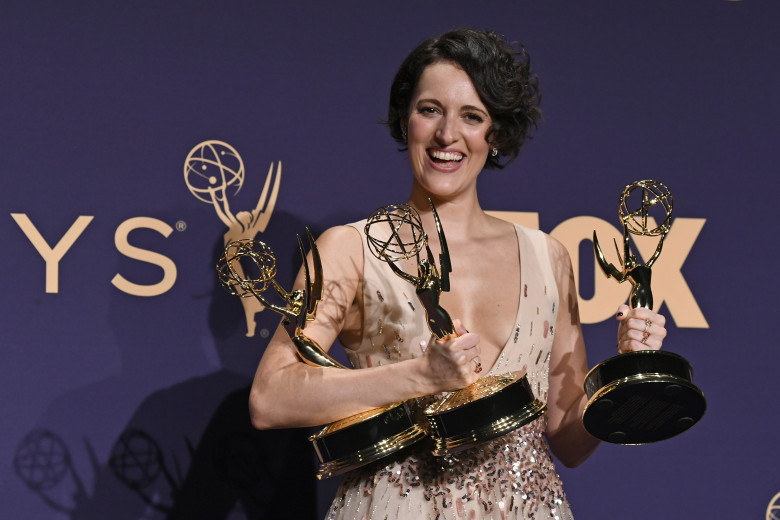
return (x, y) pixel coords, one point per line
(187, 451)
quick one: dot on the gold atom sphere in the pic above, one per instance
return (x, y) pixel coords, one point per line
(246, 266)
(646, 208)
(395, 232)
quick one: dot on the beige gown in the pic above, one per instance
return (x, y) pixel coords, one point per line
(512, 477)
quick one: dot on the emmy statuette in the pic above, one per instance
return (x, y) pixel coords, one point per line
(641, 396)
(345, 444)
(494, 405)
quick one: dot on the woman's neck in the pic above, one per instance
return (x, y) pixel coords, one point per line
(460, 216)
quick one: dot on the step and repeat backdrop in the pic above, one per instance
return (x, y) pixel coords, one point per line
(138, 138)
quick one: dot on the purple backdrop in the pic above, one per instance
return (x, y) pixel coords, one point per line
(101, 104)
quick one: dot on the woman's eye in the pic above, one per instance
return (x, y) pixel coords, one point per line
(474, 118)
(427, 110)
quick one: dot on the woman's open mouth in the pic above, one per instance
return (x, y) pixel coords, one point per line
(442, 157)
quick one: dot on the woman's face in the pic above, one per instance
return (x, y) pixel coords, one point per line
(446, 131)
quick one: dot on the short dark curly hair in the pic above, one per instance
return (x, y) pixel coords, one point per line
(502, 76)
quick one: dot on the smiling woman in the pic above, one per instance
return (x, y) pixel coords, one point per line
(501, 75)
(447, 130)
(460, 103)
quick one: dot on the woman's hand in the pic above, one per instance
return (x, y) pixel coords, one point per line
(453, 362)
(639, 329)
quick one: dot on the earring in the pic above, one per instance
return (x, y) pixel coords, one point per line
(494, 152)
(403, 133)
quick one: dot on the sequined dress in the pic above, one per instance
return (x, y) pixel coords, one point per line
(512, 477)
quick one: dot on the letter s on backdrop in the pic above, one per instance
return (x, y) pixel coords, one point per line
(136, 253)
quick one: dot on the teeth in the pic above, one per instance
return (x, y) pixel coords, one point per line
(446, 156)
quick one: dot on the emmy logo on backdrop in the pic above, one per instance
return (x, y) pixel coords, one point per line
(212, 171)
(773, 509)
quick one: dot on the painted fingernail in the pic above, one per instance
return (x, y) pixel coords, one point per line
(619, 314)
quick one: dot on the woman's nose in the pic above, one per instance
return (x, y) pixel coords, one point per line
(447, 131)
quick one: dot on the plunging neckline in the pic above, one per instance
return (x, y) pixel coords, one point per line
(520, 306)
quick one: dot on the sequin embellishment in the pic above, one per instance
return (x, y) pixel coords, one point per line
(408, 301)
(510, 476)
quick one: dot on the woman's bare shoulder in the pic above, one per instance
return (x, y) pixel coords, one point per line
(340, 243)
(556, 249)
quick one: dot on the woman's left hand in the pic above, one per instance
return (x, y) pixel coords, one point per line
(639, 329)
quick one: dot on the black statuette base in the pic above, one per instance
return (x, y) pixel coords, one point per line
(641, 397)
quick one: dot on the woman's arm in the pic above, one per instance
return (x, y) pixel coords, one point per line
(288, 393)
(568, 439)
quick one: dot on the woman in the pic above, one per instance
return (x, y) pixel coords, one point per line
(459, 103)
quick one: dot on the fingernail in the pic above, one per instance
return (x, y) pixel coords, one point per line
(619, 314)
